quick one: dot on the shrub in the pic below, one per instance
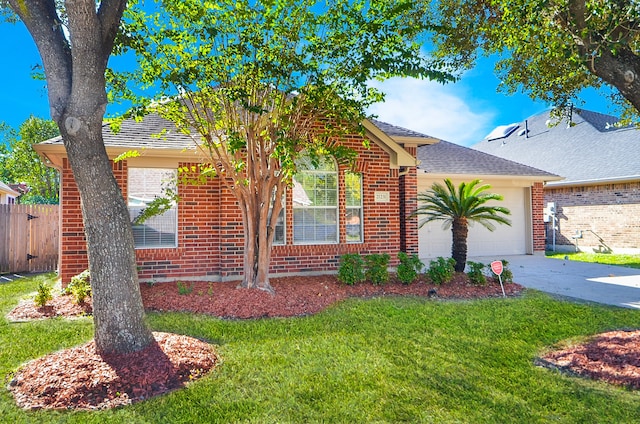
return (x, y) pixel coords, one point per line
(79, 287)
(409, 268)
(43, 295)
(441, 270)
(184, 289)
(476, 274)
(351, 269)
(506, 276)
(377, 268)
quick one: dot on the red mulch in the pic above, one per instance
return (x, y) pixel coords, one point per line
(297, 296)
(59, 306)
(613, 357)
(79, 378)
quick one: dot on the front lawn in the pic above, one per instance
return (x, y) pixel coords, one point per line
(631, 261)
(378, 360)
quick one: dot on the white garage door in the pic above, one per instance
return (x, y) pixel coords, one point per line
(434, 241)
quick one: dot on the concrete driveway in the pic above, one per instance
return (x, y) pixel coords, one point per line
(608, 284)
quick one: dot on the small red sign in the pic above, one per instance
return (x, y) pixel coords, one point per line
(496, 267)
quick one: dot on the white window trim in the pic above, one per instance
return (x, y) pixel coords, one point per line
(164, 246)
(360, 207)
(336, 172)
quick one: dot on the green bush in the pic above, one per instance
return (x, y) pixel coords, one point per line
(43, 295)
(441, 270)
(409, 268)
(377, 268)
(183, 288)
(351, 269)
(506, 276)
(79, 287)
(476, 274)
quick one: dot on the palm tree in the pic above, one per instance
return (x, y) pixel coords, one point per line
(459, 208)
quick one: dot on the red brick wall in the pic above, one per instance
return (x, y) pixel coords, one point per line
(198, 251)
(73, 247)
(610, 211)
(210, 235)
(409, 203)
(537, 206)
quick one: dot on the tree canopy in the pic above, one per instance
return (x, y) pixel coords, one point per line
(551, 49)
(21, 164)
(260, 83)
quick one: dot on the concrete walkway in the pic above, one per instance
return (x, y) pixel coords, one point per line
(608, 284)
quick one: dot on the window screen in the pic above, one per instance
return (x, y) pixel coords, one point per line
(315, 203)
(146, 184)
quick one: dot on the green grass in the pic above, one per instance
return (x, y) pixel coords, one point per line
(631, 261)
(379, 360)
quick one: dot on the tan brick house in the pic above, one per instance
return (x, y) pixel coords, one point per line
(597, 203)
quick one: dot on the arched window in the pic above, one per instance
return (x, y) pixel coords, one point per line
(315, 202)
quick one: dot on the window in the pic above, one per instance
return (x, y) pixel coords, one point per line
(315, 202)
(354, 218)
(145, 185)
(279, 236)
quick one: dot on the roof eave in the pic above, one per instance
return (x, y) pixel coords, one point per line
(53, 154)
(398, 156)
(599, 181)
(501, 177)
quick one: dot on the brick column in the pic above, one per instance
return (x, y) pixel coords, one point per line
(408, 202)
(538, 226)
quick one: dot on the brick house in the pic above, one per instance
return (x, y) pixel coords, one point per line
(7, 194)
(201, 237)
(596, 205)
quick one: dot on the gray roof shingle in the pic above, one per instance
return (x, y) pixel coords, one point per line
(591, 149)
(153, 132)
(444, 157)
(396, 131)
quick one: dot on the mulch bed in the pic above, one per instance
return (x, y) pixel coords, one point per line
(78, 378)
(613, 357)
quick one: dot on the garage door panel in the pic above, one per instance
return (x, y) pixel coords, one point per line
(434, 241)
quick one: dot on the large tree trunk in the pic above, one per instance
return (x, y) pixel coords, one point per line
(75, 69)
(459, 230)
(117, 304)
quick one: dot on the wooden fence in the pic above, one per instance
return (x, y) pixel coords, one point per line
(28, 238)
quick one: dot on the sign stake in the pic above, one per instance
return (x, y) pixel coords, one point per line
(496, 267)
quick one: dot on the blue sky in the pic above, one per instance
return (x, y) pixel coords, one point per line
(463, 112)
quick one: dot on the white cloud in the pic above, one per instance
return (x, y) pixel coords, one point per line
(433, 109)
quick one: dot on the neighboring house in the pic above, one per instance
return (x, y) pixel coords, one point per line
(521, 187)
(597, 204)
(201, 237)
(7, 194)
